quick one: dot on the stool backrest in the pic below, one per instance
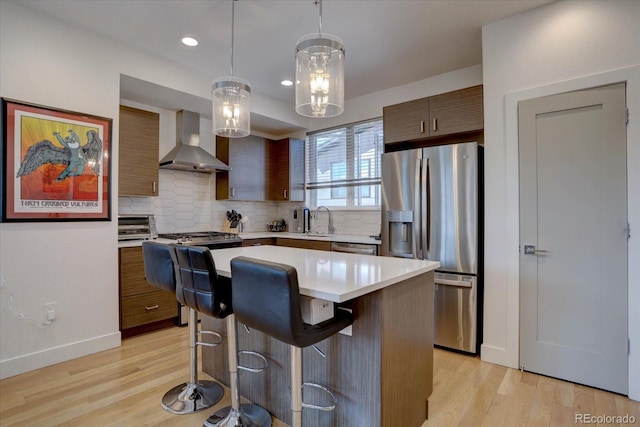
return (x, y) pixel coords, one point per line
(266, 297)
(197, 283)
(158, 266)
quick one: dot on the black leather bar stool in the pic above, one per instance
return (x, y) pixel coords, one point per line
(194, 395)
(160, 270)
(266, 297)
(199, 287)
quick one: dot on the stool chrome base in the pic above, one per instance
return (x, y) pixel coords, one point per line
(188, 398)
(248, 416)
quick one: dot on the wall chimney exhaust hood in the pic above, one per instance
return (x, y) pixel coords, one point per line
(187, 155)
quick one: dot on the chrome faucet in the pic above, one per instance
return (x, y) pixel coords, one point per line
(330, 228)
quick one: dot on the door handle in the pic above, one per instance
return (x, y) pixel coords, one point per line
(531, 250)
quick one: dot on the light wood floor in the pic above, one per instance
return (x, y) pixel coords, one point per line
(123, 387)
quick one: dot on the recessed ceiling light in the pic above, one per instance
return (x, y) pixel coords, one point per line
(286, 83)
(190, 41)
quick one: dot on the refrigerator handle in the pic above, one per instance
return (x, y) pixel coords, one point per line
(424, 214)
(417, 250)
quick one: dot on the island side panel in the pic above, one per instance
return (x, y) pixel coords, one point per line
(407, 351)
(370, 375)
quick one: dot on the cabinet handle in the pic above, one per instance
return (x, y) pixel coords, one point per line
(153, 307)
(435, 125)
(153, 187)
(285, 193)
(421, 126)
(233, 192)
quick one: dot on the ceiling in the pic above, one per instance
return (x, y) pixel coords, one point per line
(388, 42)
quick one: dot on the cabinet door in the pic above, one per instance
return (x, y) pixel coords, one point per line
(285, 177)
(455, 112)
(132, 280)
(141, 303)
(296, 170)
(247, 178)
(321, 245)
(259, 242)
(139, 152)
(406, 121)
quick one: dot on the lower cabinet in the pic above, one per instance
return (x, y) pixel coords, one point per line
(141, 305)
(259, 241)
(322, 245)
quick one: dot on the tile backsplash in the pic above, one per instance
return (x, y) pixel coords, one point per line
(187, 202)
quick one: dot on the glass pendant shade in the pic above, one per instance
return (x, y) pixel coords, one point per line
(320, 76)
(231, 107)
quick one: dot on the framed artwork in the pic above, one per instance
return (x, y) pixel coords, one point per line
(56, 164)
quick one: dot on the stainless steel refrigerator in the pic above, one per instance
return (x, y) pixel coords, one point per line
(432, 209)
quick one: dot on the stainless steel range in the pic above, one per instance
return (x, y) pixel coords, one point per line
(209, 239)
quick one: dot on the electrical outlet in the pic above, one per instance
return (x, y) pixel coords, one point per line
(50, 311)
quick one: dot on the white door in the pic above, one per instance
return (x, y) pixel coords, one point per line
(573, 237)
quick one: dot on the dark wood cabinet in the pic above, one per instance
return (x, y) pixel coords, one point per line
(140, 303)
(445, 114)
(456, 112)
(247, 177)
(406, 121)
(285, 177)
(261, 169)
(139, 152)
(259, 241)
(321, 245)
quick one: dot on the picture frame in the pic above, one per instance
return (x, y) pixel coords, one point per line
(56, 164)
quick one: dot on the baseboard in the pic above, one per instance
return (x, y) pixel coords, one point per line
(51, 356)
(497, 355)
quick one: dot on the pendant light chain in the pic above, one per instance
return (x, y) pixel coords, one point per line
(319, 4)
(233, 20)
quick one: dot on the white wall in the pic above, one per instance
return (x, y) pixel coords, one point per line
(560, 47)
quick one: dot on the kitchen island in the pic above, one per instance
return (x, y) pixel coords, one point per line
(381, 370)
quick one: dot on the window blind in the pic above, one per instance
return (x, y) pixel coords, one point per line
(343, 165)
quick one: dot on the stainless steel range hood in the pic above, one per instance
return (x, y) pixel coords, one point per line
(187, 155)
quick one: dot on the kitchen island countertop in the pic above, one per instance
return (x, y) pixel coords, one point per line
(332, 276)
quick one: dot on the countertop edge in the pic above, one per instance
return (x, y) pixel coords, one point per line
(346, 238)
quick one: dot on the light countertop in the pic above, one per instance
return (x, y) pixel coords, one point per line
(333, 276)
(348, 238)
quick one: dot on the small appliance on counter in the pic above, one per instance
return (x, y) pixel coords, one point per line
(277, 225)
(299, 220)
(137, 227)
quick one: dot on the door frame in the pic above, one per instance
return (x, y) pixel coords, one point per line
(510, 356)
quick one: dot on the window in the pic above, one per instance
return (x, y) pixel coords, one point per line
(343, 165)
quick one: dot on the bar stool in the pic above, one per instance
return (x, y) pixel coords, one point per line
(199, 287)
(194, 395)
(266, 297)
(160, 270)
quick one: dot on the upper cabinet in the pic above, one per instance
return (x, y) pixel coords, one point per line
(285, 177)
(406, 121)
(444, 114)
(261, 169)
(139, 152)
(247, 177)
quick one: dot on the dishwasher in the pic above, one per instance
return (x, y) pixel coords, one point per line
(354, 248)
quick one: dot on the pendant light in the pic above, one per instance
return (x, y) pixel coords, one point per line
(231, 100)
(320, 73)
